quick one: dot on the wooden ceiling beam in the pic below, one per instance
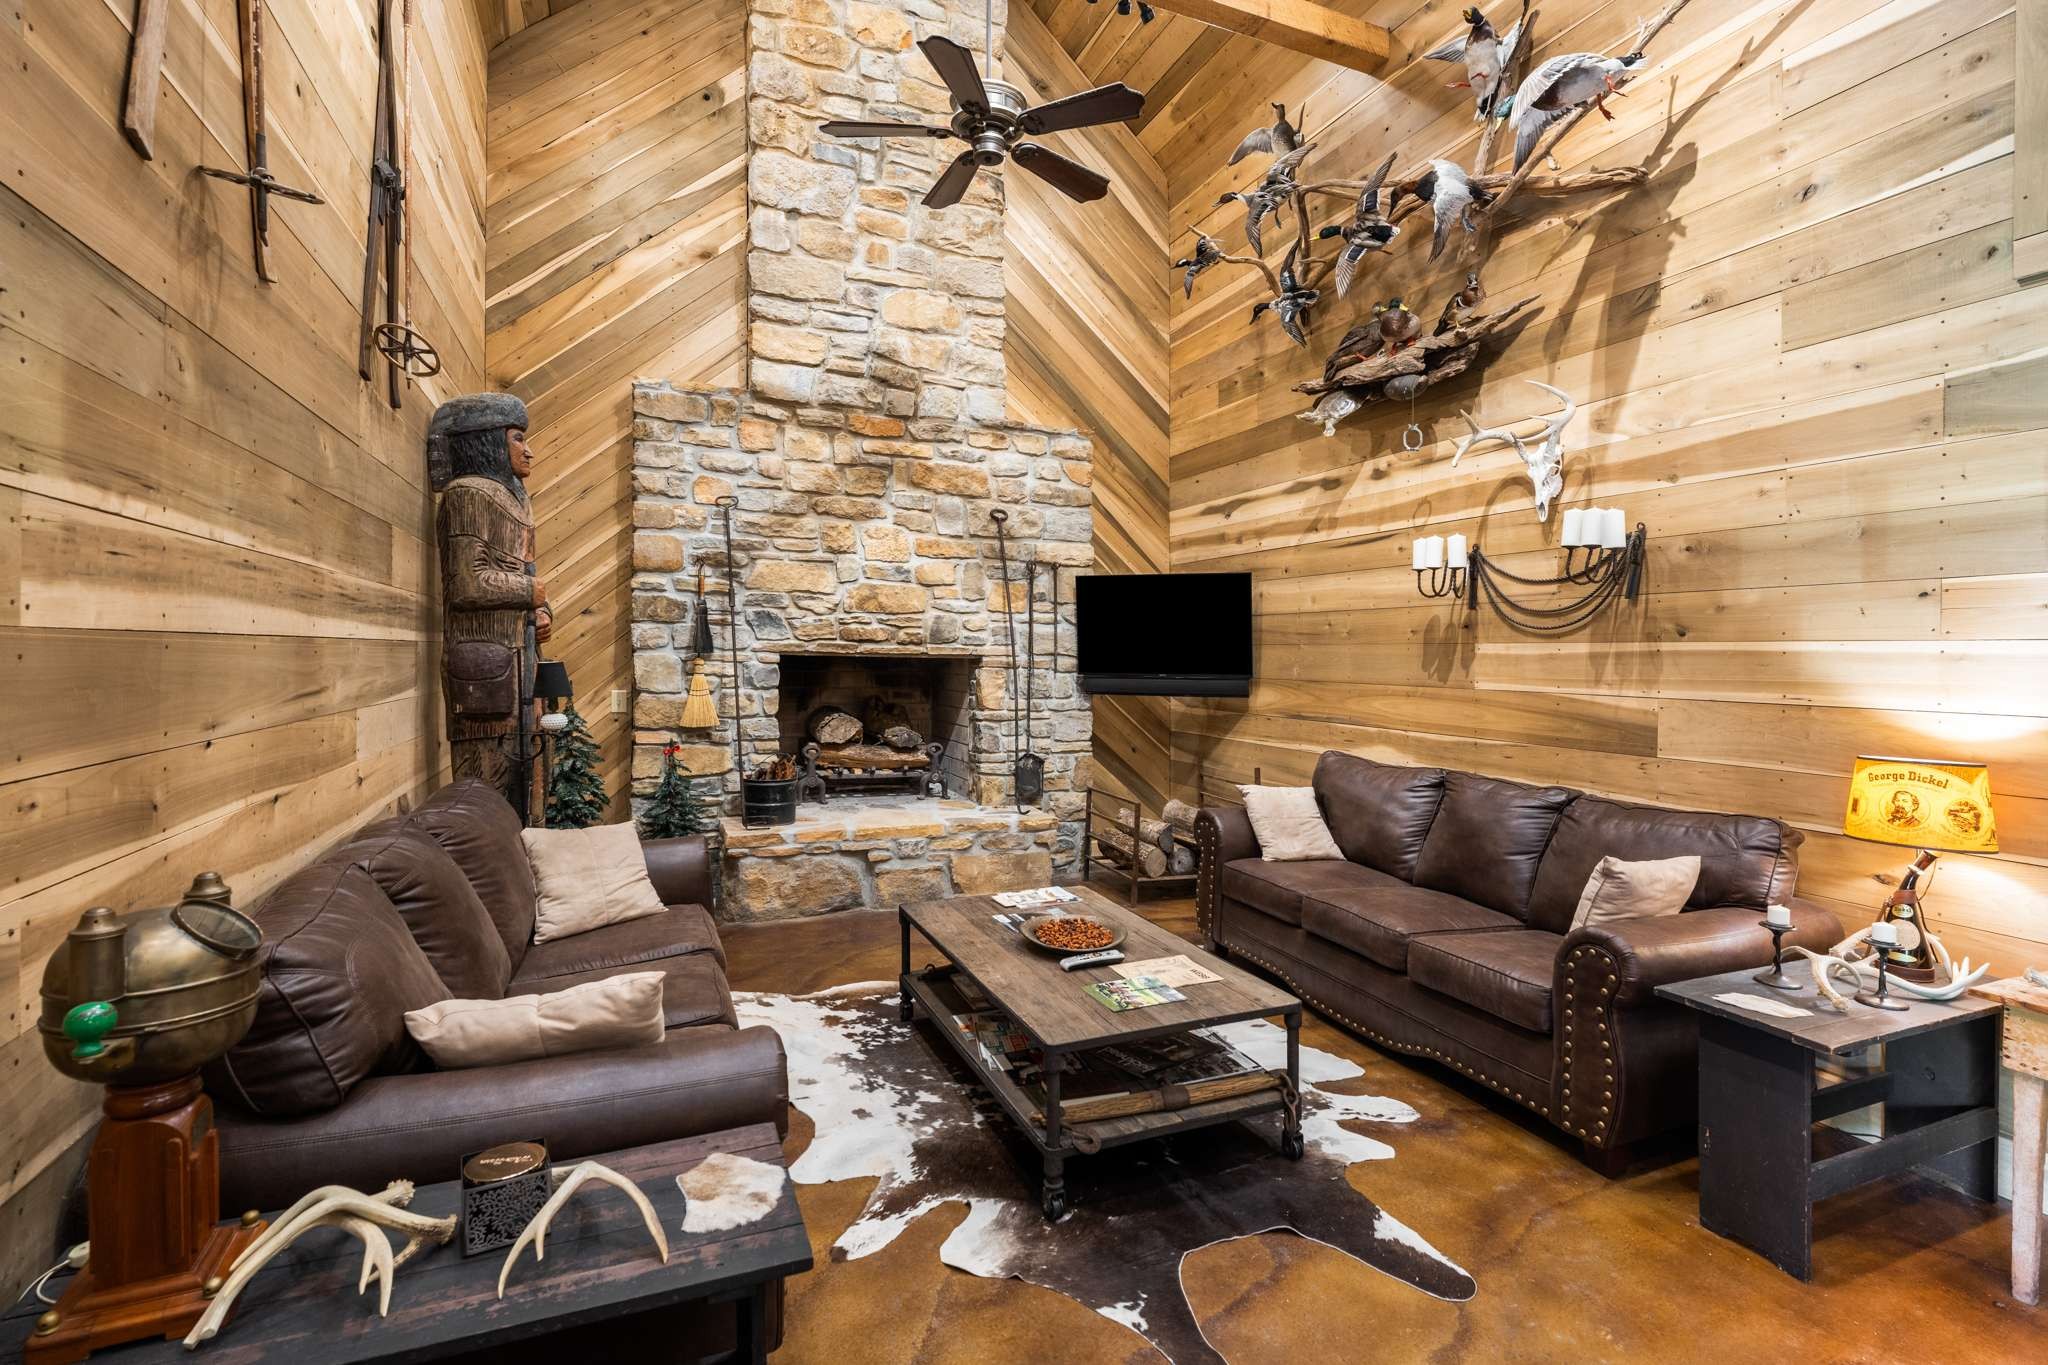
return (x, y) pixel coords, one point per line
(1299, 25)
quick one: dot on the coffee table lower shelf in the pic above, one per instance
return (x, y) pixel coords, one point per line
(1055, 1140)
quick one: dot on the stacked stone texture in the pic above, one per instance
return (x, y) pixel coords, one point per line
(857, 294)
(855, 532)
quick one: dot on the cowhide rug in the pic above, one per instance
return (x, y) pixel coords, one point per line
(890, 1102)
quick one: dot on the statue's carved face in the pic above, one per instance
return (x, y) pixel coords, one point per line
(518, 452)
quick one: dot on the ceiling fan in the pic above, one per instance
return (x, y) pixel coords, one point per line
(990, 116)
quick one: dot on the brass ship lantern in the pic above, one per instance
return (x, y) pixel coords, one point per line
(139, 1004)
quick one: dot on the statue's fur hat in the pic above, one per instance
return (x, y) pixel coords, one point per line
(471, 412)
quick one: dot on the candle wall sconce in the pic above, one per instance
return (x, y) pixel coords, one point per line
(1611, 571)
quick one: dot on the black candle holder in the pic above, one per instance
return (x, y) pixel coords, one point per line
(1776, 977)
(1442, 582)
(1609, 576)
(1881, 998)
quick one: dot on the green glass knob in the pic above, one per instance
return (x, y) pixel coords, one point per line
(87, 1024)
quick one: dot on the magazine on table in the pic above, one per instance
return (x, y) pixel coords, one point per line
(1136, 993)
(1033, 897)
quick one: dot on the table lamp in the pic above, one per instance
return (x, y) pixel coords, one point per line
(1933, 805)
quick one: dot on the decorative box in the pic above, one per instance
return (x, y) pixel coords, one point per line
(503, 1187)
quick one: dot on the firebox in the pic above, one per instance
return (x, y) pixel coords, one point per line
(864, 723)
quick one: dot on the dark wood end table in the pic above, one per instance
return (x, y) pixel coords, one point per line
(1026, 983)
(601, 1276)
(1762, 1090)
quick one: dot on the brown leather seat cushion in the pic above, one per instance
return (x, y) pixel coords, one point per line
(339, 972)
(1487, 840)
(1745, 860)
(1380, 921)
(1277, 888)
(694, 992)
(480, 831)
(1506, 972)
(616, 948)
(438, 906)
(1378, 814)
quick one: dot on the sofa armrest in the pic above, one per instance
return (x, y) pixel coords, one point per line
(420, 1125)
(1223, 834)
(680, 869)
(1625, 1063)
(1643, 954)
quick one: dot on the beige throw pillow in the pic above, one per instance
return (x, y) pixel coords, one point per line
(1288, 823)
(1619, 890)
(584, 879)
(621, 1011)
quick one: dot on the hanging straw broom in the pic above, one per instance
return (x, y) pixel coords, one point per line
(699, 710)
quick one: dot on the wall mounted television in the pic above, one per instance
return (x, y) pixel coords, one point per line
(1165, 634)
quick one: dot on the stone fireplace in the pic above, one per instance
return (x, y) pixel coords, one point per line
(860, 469)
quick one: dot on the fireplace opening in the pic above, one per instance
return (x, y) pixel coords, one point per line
(861, 724)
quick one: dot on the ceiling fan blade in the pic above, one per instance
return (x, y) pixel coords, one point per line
(950, 186)
(1070, 178)
(955, 65)
(843, 128)
(1104, 104)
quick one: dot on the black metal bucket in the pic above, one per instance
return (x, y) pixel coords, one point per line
(766, 802)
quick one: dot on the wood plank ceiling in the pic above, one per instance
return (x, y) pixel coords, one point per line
(615, 236)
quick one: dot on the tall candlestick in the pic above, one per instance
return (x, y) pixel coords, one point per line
(1455, 552)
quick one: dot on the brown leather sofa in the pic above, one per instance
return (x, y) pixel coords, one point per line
(328, 1087)
(1445, 931)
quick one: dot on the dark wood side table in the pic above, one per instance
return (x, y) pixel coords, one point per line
(1762, 1090)
(601, 1293)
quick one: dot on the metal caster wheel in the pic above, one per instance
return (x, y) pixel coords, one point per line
(1291, 1145)
(1054, 1203)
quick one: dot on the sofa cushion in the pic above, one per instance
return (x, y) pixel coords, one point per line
(477, 826)
(1487, 840)
(682, 929)
(1745, 860)
(438, 905)
(1380, 921)
(340, 971)
(1378, 813)
(612, 1012)
(1506, 972)
(693, 993)
(1277, 888)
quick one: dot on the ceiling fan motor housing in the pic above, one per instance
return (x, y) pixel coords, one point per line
(991, 132)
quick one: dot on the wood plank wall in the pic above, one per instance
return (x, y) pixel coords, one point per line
(1086, 348)
(1801, 357)
(616, 251)
(217, 585)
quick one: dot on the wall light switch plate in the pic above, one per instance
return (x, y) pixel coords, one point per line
(621, 700)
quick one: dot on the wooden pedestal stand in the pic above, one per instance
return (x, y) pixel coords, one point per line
(154, 1183)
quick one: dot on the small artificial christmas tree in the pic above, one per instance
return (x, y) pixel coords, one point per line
(675, 810)
(576, 798)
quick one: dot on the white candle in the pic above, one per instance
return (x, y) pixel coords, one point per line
(1613, 530)
(1419, 553)
(1456, 552)
(1884, 935)
(1778, 916)
(1433, 553)
(1574, 527)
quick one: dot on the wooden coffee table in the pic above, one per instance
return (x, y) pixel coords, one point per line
(1026, 983)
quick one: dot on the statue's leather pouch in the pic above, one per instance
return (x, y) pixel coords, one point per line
(482, 677)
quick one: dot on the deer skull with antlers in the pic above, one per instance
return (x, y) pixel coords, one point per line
(1542, 453)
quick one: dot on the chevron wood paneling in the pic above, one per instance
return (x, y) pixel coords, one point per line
(615, 243)
(1086, 348)
(1801, 358)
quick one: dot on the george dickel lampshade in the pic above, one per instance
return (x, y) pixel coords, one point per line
(1925, 803)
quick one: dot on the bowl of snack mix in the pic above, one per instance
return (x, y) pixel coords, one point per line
(1066, 934)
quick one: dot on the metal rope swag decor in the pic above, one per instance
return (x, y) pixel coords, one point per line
(1613, 572)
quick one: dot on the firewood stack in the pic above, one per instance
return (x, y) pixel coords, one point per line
(881, 743)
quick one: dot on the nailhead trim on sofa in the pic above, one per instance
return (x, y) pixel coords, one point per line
(1598, 995)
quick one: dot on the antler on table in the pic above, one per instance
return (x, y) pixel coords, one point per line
(567, 1182)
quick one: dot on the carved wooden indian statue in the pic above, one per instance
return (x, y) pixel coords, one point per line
(494, 606)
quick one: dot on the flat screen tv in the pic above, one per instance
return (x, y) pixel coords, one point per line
(1165, 634)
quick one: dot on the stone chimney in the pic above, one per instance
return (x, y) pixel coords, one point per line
(857, 294)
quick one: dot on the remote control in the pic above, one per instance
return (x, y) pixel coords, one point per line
(1103, 958)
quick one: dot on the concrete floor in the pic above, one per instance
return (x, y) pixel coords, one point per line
(1571, 1267)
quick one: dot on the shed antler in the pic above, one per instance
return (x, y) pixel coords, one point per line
(567, 1182)
(364, 1216)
